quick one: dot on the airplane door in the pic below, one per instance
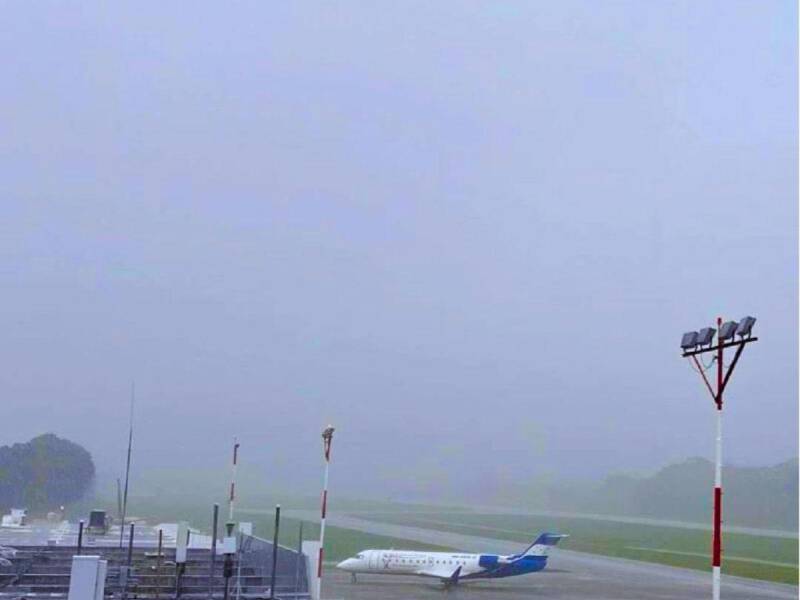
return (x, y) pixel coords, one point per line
(374, 560)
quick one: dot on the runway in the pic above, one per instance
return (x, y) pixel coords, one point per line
(569, 575)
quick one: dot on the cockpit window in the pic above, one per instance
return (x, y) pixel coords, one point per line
(359, 556)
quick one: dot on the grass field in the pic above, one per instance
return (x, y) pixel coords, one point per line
(758, 557)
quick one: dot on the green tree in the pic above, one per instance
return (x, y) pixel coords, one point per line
(44, 473)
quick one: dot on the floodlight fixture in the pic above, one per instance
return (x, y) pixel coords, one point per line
(745, 326)
(689, 340)
(727, 330)
(705, 336)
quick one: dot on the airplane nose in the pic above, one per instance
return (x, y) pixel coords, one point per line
(345, 564)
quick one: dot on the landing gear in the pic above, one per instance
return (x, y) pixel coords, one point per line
(353, 578)
(449, 584)
(449, 587)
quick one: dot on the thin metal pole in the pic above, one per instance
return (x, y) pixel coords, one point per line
(239, 556)
(327, 438)
(213, 551)
(130, 546)
(180, 568)
(127, 467)
(232, 497)
(322, 528)
(716, 559)
(119, 499)
(299, 560)
(275, 552)
(80, 536)
(158, 562)
(228, 567)
(128, 564)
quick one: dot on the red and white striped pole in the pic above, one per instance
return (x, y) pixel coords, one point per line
(232, 496)
(716, 543)
(327, 437)
(690, 343)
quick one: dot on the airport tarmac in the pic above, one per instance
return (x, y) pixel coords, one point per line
(554, 583)
(569, 575)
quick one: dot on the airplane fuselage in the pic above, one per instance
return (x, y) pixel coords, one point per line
(441, 564)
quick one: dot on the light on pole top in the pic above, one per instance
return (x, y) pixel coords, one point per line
(699, 342)
(327, 437)
(745, 327)
(689, 340)
(727, 330)
(705, 336)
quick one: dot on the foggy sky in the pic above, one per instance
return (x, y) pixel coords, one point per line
(468, 235)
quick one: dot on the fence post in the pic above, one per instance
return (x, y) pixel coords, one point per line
(213, 552)
(80, 537)
(125, 572)
(275, 552)
(298, 560)
(158, 562)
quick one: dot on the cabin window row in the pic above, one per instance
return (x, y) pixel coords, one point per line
(422, 561)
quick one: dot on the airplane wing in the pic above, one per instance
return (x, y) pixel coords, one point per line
(446, 574)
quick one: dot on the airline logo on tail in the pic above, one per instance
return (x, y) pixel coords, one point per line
(542, 543)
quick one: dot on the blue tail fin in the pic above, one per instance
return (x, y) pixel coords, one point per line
(542, 543)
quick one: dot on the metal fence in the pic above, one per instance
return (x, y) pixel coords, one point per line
(253, 574)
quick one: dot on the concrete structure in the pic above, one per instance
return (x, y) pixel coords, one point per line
(37, 568)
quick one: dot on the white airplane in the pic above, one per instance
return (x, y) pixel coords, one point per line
(450, 568)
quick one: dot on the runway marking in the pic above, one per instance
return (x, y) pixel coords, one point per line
(726, 557)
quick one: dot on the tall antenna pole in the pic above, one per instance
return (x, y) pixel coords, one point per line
(119, 499)
(232, 497)
(127, 467)
(327, 438)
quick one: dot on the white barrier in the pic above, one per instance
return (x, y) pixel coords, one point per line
(87, 580)
(311, 552)
(181, 542)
